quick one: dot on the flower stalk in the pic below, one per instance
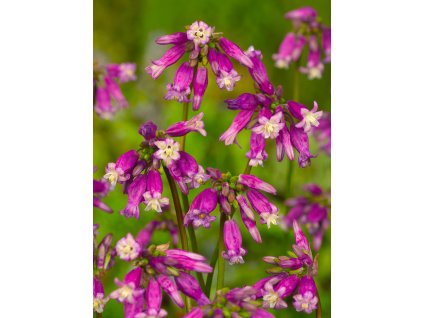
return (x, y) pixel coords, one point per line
(220, 261)
(178, 209)
(213, 262)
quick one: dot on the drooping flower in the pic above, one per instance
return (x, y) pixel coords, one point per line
(153, 196)
(121, 170)
(300, 142)
(200, 209)
(129, 289)
(169, 58)
(200, 86)
(184, 127)
(306, 299)
(268, 211)
(240, 121)
(272, 298)
(153, 297)
(310, 118)
(233, 242)
(108, 95)
(180, 89)
(289, 50)
(136, 192)
(314, 68)
(189, 286)
(99, 299)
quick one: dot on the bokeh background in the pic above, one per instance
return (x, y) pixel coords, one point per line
(124, 31)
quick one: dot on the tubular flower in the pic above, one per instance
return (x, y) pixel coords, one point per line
(108, 95)
(233, 240)
(200, 209)
(122, 169)
(153, 196)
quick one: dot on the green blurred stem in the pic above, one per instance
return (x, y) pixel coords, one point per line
(193, 239)
(99, 315)
(289, 178)
(212, 264)
(319, 306)
(220, 260)
(184, 118)
(178, 209)
(248, 168)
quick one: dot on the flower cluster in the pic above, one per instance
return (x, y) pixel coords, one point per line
(204, 47)
(292, 276)
(139, 173)
(288, 123)
(307, 31)
(312, 211)
(231, 194)
(108, 97)
(156, 269)
(237, 302)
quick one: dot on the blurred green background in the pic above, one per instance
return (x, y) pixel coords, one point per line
(124, 31)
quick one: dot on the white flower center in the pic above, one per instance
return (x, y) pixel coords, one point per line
(314, 72)
(98, 303)
(125, 292)
(271, 298)
(304, 305)
(112, 177)
(270, 218)
(311, 118)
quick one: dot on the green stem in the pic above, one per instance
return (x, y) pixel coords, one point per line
(248, 168)
(319, 306)
(212, 264)
(220, 260)
(99, 315)
(184, 118)
(193, 239)
(178, 210)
